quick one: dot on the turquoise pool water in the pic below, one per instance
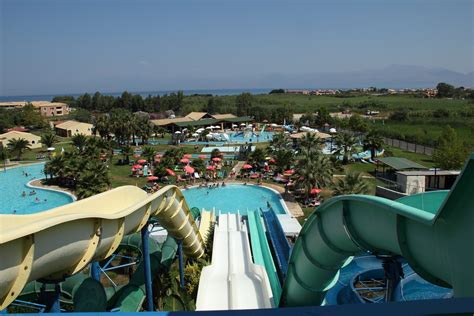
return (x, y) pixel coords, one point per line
(13, 183)
(233, 198)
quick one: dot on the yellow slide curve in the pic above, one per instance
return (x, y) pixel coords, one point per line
(60, 242)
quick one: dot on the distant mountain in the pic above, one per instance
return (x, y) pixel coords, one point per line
(393, 76)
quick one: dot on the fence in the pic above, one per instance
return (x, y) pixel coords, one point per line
(412, 147)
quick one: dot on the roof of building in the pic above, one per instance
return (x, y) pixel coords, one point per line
(167, 121)
(318, 134)
(197, 123)
(196, 115)
(399, 163)
(16, 134)
(73, 124)
(430, 172)
(238, 119)
(223, 116)
(36, 104)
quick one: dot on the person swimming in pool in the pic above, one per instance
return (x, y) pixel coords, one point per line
(37, 200)
(23, 194)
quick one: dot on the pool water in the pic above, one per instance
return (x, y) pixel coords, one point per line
(13, 183)
(250, 137)
(233, 198)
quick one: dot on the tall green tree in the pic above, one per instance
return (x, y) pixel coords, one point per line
(18, 146)
(345, 143)
(257, 156)
(48, 139)
(310, 141)
(149, 153)
(243, 103)
(352, 183)
(283, 159)
(4, 156)
(450, 153)
(373, 142)
(313, 170)
(79, 141)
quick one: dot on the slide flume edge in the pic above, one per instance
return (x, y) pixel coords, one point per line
(60, 242)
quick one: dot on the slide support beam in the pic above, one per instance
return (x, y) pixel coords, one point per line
(95, 271)
(180, 260)
(145, 233)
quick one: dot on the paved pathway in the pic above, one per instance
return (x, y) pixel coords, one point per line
(237, 167)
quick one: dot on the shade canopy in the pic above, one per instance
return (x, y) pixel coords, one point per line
(142, 161)
(177, 132)
(189, 169)
(188, 156)
(137, 166)
(289, 172)
(152, 178)
(211, 168)
(315, 191)
(184, 160)
(170, 172)
(247, 166)
(202, 156)
(216, 159)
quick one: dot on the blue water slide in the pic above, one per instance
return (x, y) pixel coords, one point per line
(279, 243)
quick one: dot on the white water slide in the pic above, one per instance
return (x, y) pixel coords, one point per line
(233, 281)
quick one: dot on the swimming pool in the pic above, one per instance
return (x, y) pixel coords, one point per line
(233, 198)
(13, 182)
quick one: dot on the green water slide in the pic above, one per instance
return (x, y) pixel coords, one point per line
(261, 252)
(433, 231)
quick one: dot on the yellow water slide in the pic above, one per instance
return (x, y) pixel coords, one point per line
(54, 244)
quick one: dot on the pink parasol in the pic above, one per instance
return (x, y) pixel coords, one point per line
(189, 169)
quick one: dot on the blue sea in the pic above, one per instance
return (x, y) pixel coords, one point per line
(216, 92)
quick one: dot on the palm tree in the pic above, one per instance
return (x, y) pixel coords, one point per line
(149, 153)
(345, 143)
(18, 145)
(127, 151)
(93, 179)
(313, 170)
(102, 125)
(279, 141)
(4, 156)
(352, 183)
(283, 159)
(216, 153)
(79, 141)
(48, 139)
(257, 156)
(310, 141)
(55, 167)
(373, 142)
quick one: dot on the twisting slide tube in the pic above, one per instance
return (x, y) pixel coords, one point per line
(433, 231)
(60, 242)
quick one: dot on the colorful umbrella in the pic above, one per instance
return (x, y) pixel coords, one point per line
(170, 172)
(188, 156)
(247, 166)
(136, 156)
(289, 172)
(216, 159)
(202, 156)
(141, 161)
(184, 160)
(137, 166)
(189, 169)
(211, 168)
(315, 191)
(272, 161)
(152, 178)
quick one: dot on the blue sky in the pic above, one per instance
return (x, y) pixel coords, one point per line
(72, 46)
